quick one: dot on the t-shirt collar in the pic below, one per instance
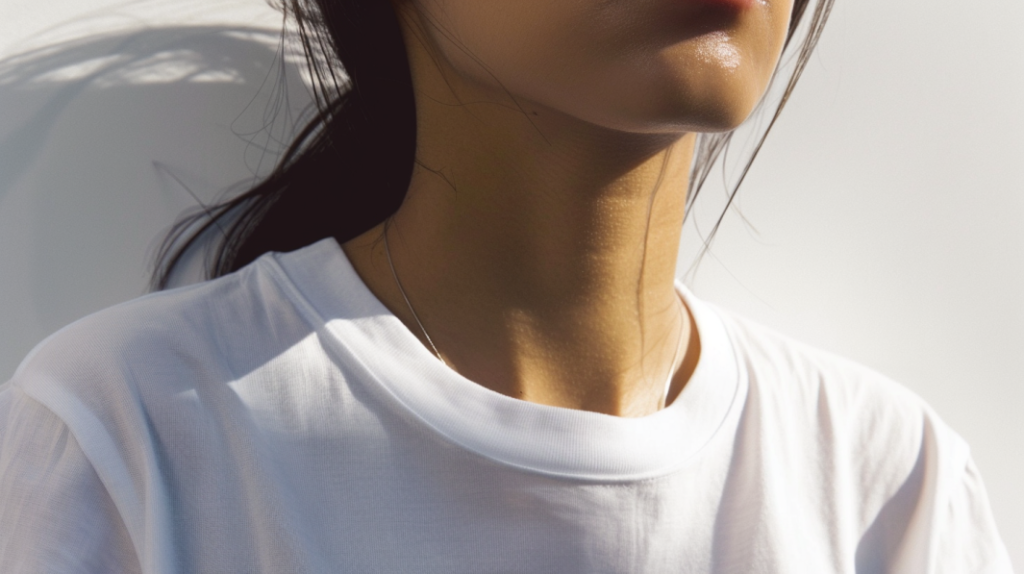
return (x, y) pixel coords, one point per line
(530, 436)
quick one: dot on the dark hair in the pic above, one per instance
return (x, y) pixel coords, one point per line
(349, 168)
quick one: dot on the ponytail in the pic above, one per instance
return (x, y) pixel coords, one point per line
(346, 171)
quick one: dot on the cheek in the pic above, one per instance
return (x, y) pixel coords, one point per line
(774, 33)
(496, 42)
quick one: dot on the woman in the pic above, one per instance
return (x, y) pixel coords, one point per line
(446, 336)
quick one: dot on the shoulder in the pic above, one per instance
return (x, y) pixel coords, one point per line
(156, 326)
(856, 447)
(163, 345)
(807, 381)
(861, 454)
(852, 424)
(146, 387)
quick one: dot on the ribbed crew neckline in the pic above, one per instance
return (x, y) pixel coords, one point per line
(556, 441)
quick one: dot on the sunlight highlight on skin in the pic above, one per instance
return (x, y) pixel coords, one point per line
(716, 49)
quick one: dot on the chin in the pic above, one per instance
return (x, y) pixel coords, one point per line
(720, 120)
(715, 116)
(715, 106)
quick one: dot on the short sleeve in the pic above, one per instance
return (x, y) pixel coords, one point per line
(968, 539)
(55, 514)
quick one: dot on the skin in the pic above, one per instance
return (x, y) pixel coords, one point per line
(539, 237)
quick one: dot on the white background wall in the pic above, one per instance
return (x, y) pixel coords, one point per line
(886, 212)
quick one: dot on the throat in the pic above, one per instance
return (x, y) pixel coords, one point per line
(554, 289)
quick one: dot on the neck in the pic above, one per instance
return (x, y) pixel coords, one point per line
(539, 252)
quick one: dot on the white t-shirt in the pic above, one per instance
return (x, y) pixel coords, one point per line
(282, 420)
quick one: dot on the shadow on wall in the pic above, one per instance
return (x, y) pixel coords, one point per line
(105, 140)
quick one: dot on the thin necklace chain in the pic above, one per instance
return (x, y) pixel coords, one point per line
(387, 250)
